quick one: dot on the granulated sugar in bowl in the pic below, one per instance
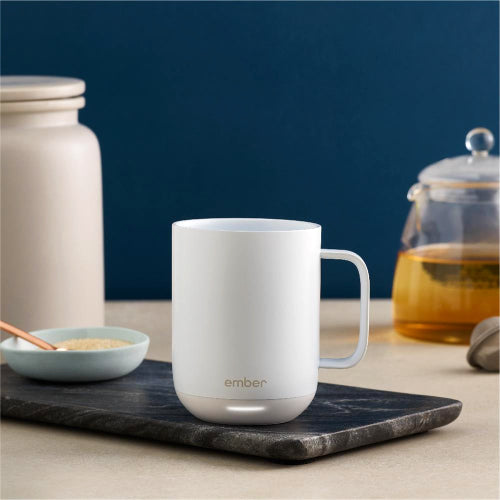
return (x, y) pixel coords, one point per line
(91, 344)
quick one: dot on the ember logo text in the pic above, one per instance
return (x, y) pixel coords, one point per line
(244, 382)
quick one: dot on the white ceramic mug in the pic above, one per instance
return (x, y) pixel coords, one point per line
(246, 298)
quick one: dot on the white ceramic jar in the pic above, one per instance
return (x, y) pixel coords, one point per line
(51, 206)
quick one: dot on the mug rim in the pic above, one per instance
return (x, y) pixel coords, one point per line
(248, 225)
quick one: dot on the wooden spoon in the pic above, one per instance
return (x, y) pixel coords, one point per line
(17, 332)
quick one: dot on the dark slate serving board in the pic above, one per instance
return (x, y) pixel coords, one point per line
(144, 404)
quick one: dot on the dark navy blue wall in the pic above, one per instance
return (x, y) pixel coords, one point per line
(315, 111)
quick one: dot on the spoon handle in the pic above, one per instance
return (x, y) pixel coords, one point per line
(26, 336)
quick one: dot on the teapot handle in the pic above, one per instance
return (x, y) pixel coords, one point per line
(414, 191)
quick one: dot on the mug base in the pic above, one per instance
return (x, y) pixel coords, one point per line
(245, 411)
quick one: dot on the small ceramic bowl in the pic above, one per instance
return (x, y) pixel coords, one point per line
(76, 366)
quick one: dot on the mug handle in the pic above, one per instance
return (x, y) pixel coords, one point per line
(364, 280)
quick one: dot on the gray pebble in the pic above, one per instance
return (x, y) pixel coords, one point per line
(484, 345)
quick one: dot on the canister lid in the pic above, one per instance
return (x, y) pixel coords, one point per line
(35, 88)
(477, 168)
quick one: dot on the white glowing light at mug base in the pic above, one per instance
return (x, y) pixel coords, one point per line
(245, 408)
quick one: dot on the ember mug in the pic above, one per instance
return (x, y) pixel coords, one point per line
(245, 325)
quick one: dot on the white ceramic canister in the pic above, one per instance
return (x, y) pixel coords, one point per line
(51, 206)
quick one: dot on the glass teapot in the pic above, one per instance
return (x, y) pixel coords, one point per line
(446, 279)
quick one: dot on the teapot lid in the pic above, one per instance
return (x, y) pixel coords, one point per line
(477, 168)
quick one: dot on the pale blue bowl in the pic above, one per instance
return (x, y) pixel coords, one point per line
(76, 366)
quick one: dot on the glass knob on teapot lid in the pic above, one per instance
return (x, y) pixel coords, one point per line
(479, 141)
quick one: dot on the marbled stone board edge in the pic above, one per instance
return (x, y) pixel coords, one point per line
(285, 447)
(314, 435)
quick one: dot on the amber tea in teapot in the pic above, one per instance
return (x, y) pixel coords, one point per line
(446, 278)
(442, 291)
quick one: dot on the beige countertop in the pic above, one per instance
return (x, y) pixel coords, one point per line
(457, 461)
